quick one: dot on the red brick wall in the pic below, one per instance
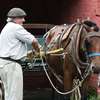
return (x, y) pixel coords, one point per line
(82, 9)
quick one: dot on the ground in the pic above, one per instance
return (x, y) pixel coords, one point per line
(41, 94)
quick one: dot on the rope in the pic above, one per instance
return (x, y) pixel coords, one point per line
(58, 91)
(45, 70)
(77, 97)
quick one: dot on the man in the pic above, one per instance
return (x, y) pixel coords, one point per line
(13, 40)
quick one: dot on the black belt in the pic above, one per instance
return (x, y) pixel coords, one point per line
(10, 59)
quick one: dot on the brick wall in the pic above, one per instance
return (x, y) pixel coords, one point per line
(81, 9)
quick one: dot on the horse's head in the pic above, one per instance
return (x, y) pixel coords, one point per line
(93, 48)
(93, 45)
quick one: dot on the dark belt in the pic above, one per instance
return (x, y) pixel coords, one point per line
(10, 59)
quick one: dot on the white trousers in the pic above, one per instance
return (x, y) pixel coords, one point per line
(12, 77)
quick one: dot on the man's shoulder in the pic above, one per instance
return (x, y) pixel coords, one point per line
(14, 25)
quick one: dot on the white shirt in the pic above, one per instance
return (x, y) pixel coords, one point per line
(13, 40)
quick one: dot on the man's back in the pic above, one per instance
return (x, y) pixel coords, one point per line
(10, 45)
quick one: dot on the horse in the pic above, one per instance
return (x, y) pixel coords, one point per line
(74, 66)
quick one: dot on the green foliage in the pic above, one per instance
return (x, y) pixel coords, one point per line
(92, 95)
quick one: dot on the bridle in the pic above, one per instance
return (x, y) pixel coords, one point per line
(93, 34)
(91, 54)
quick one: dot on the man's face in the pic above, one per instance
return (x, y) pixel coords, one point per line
(19, 20)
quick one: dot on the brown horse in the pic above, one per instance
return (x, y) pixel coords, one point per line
(74, 63)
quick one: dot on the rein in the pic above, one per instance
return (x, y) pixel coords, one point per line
(62, 93)
(77, 84)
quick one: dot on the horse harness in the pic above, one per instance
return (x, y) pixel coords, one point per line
(89, 65)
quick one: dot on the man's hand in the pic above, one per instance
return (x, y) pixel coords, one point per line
(36, 46)
(41, 54)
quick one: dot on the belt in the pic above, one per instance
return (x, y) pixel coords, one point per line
(10, 59)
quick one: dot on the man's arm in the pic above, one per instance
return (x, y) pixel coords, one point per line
(27, 37)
